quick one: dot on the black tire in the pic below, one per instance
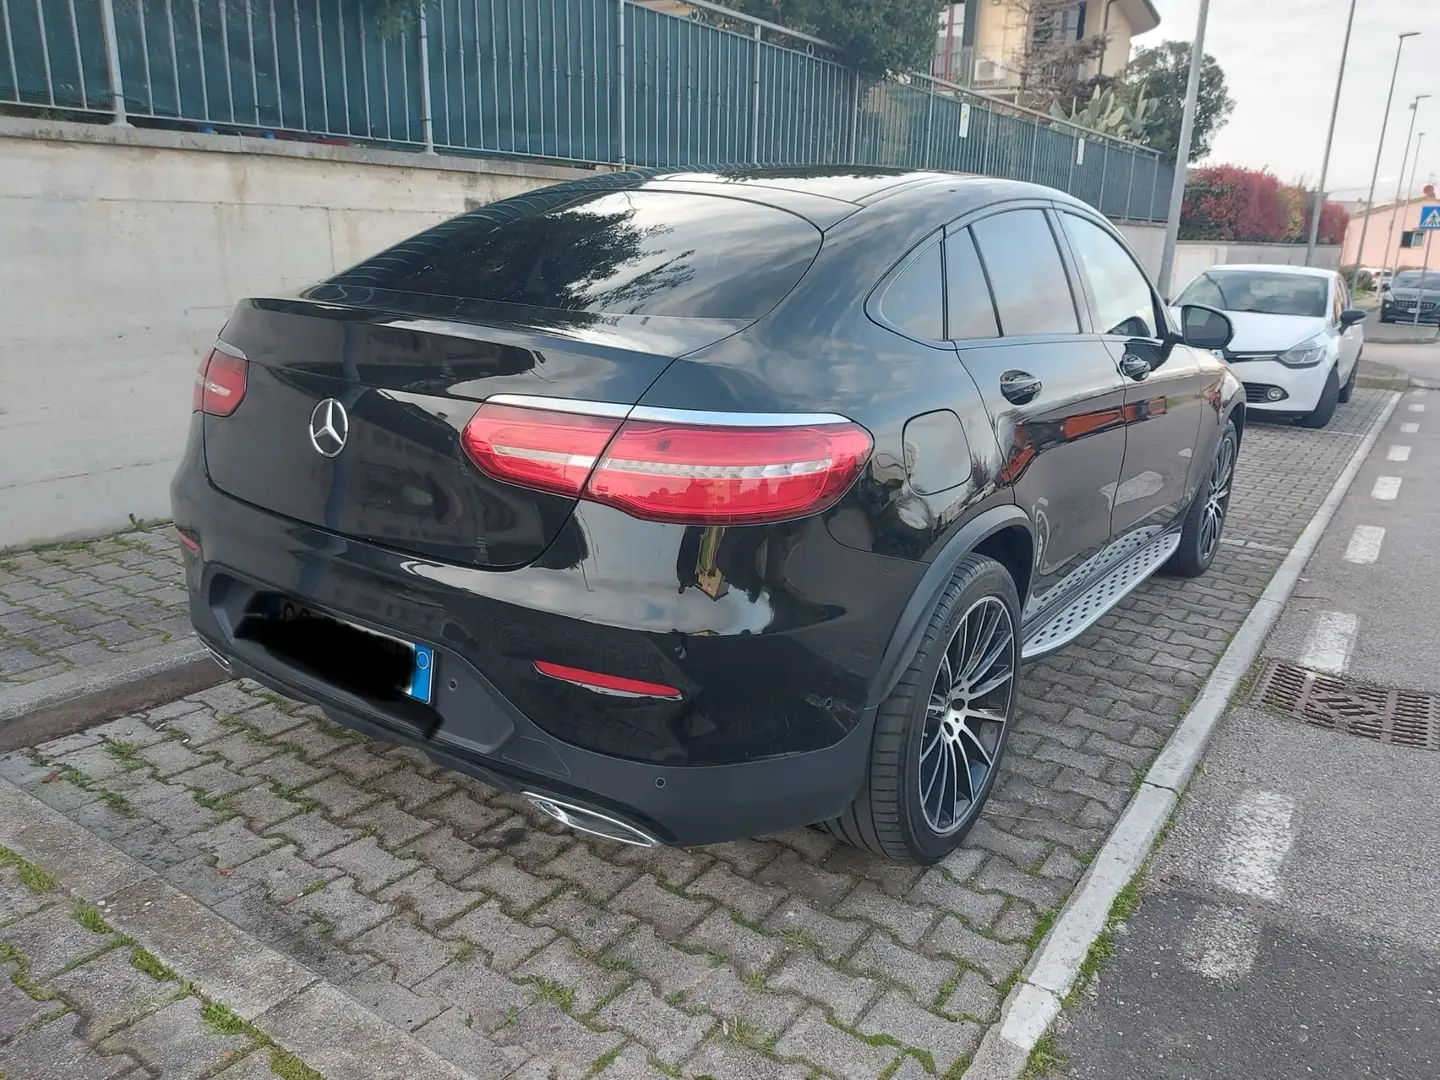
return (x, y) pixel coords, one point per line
(1329, 398)
(1349, 387)
(890, 816)
(1199, 543)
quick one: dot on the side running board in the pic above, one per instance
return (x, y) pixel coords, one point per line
(1082, 612)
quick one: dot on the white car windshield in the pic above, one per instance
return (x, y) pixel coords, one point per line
(1259, 292)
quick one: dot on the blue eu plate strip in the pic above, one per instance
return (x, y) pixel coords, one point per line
(422, 682)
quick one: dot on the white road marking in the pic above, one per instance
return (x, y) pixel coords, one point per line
(1327, 646)
(1221, 943)
(1365, 544)
(1398, 453)
(1409, 429)
(1260, 836)
(1386, 487)
(1416, 408)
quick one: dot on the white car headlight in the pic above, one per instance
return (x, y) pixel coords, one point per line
(1306, 354)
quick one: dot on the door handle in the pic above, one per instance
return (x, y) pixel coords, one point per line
(1135, 367)
(1018, 387)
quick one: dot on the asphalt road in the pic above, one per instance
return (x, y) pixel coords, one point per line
(1290, 925)
(1421, 362)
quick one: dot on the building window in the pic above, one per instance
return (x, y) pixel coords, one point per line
(1412, 238)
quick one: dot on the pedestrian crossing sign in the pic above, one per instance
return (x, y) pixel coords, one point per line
(1430, 217)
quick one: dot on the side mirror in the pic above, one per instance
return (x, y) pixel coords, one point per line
(1204, 327)
(1350, 316)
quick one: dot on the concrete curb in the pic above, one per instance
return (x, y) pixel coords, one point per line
(66, 703)
(1051, 973)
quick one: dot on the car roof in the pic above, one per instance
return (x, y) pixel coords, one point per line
(1275, 268)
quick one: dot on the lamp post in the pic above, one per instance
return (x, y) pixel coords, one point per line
(1182, 151)
(1400, 182)
(1375, 176)
(1329, 142)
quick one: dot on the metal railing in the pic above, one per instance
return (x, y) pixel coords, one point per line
(590, 81)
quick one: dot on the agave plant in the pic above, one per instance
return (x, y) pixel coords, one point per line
(1110, 113)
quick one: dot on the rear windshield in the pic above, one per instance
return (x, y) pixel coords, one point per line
(1260, 292)
(618, 252)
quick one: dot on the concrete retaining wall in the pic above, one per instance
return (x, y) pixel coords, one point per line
(122, 253)
(1193, 256)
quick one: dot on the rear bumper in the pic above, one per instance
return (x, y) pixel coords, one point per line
(773, 731)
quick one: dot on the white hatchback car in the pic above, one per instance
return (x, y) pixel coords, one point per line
(1297, 341)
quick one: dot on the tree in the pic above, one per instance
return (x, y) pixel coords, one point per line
(877, 36)
(1165, 69)
(1053, 66)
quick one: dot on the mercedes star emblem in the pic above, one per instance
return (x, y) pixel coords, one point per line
(329, 428)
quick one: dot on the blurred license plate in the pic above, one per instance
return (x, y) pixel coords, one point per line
(419, 658)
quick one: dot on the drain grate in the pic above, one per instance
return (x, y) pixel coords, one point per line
(1401, 717)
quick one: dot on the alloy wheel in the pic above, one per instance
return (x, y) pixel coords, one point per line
(966, 715)
(1217, 498)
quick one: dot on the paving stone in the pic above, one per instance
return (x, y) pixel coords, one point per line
(410, 788)
(506, 941)
(241, 750)
(923, 977)
(672, 867)
(813, 1038)
(369, 864)
(894, 878)
(561, 963)
(997, 875)
(412, 953)
(566, 1045)
(997, 960)
(394, 1004)
(393, 827)
(177, 1042)
(66, 745)
(517, 888)
(719, 933)
(339, 912)
(131, 729)
(230, 843)
(668, 968)
(56, 1052)
(814, 845)
(51, 940)
(802, 923)
(314, 834)
(96, 762)
(820, 887)
(973, 997)
(21, 771)
(594, 928)
(214, 779)
(17, 1008)
(111, 992)
(466, 1047)
(489, 1000)
(360, 763)
(1018, 923)
(288, 771)
(529, 844)
(430, 900)
(202, 880)
(63, 795)
(672, 916)
(719, 1057)
(293, 935)
(339, 796)
(179, 813)
(946, 1041)
(739, 894)
(17, 898)
(282, 873)
(938, 889)
(595, 876)
(1062, 866)
(724, 994)
(1019, 850)
(632, 1063)
(262, 808)
(843, 995)
(268, 720)
(198, 728)
(451, 857)
(907, 922)
(460, 810)
(670, 1034)
(312, 744)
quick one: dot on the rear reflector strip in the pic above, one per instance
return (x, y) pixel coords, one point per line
(600, 683)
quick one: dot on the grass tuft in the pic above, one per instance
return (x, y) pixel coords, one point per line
(88, 916)
(1043, 1058)
(604, 1061)
(223, 1020)
(142, 959)
(464, 951)
(552, 991)
(289, 1067)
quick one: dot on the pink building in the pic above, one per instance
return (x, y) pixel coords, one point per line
(1393, 237)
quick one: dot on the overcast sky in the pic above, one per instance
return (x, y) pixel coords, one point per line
(1280, 61)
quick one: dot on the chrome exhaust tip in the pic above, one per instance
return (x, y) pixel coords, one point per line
(583, 819)
(225, 664)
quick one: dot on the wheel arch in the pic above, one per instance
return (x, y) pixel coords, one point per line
(1003, 533)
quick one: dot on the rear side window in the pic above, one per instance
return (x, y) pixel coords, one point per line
(620, 252)
(1122, 302)
(971, 311)
(1032, 293)
(915, 300)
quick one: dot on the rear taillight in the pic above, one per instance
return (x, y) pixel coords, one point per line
(220, 382)
(665, 469)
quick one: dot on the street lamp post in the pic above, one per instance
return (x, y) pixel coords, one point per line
(1375, 176)
(1400, 182)
(1182, 151)
(1329, 142)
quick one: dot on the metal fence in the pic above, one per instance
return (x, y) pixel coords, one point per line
(594, 81)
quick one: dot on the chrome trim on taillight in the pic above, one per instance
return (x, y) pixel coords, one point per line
(699, 417)
(583, 819)
(609, 409)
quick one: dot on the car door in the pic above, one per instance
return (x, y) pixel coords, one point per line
(1164, 385)
(1351, 337)
(1051, 388)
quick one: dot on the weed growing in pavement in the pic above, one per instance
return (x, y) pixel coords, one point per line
(117, 802)
(554, 992)
(313, 887)
(464, 951)
(1043, 1057)
(743, 1032)
(223, 1020)
(144, 960)
(289, 1067)
(1043, 922)
(35, 878)
(125, 751)
(322, 923)
(88, 916)
(604, 1061)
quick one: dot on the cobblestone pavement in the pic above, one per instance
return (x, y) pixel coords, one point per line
(72, 605)
(516, 949)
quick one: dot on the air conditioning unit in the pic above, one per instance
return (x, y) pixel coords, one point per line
(986, 70)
